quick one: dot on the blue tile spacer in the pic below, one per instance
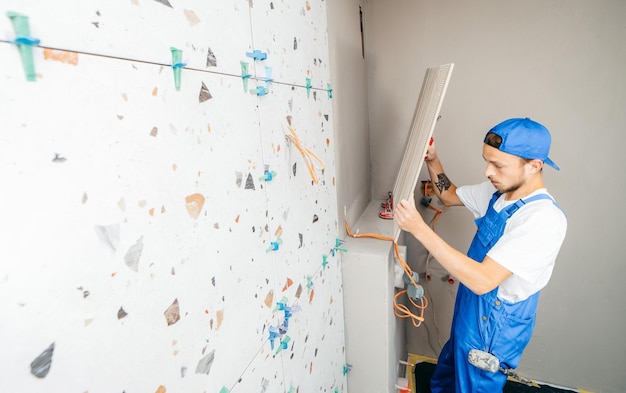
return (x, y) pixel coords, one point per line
(27, 41)
(274, 246)
(259, 91)
(268, 176)
(273, 335)
(257, 55)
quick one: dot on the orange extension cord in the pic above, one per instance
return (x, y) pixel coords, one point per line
(400, 310)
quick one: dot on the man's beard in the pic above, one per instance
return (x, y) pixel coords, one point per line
(512, 188)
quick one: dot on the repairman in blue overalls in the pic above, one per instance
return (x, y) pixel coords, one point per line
(511, 258)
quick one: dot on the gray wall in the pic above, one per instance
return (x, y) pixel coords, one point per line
(560, 62)
(349, 80)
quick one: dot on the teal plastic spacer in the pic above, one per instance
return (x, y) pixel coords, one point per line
(338, 243)
(284, 344)
(268, 77)
(245, 75)
(24, 43)
(177, 65)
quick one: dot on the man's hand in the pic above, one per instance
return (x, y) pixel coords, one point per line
(431, 151)
(407, 216)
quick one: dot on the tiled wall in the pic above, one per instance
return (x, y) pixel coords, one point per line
(150, 236)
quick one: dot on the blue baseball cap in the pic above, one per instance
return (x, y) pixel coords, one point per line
(525, 138)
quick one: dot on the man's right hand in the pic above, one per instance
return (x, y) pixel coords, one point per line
(431, 152)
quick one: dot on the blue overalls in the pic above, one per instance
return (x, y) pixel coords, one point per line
(485, 322)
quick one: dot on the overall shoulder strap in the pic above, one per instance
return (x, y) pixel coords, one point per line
(514, 207)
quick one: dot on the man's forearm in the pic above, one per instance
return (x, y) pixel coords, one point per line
(442, 186)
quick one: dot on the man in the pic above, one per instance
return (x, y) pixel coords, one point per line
(520, 232)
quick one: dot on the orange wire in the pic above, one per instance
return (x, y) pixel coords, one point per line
(400, 310)
(436, 215)
(426, 193)
(407, 312)
(307, 154)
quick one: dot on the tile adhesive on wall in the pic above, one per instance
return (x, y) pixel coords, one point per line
(168, 213)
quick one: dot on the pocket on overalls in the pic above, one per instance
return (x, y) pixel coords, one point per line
(485, 235)
(511, 339)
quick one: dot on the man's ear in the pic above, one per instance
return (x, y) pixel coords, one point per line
(536, 165)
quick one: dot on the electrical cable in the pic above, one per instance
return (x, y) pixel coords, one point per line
(427, 268)
(400, 310)
(439, 211)
(307, 154)
(434, 221)
(433, 309)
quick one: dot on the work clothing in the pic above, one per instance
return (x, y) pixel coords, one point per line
(486, 322)
(530, 243)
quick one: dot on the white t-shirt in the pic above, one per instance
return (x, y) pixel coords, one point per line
(530, 243)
